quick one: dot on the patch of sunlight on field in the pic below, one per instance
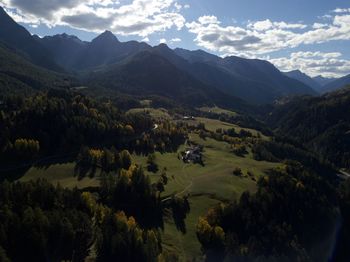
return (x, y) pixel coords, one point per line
(60, 173)
(159, 113)
(218, 110)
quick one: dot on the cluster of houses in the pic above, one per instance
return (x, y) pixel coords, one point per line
(188, 118)
(193, 154)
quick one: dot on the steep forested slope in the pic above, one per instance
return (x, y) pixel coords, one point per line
(321, 123)
(16, 36)
(18, 73)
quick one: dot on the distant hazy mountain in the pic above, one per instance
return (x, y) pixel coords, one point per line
(253, 80)
(323, 80)
(72, 53)
(338, 83)
(304, 78)
(17, 37)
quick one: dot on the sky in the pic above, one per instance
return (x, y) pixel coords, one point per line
(310, 35)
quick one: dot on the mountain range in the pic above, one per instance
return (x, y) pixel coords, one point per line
(135, 67)
(320, 84)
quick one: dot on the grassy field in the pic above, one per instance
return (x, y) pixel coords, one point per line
(186, 244)
(146, 103)
(217, 110)
(60, 173)
(213, 124)
(157, 114)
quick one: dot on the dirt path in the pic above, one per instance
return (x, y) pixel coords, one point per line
(344, 174)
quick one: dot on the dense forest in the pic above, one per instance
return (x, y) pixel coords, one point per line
(283, 221)
(321, 124)
(62, 122)
(47, 223)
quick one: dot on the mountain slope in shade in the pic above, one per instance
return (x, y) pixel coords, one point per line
(253, 80)
(336, 84)
(212, 74)
(148, 73)
(18, 73)
(266, 73)
(304, 78)
(65, 48)
(99, 51)
(16, 36)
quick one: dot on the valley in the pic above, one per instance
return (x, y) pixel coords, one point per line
(205, 186)
(116, 150)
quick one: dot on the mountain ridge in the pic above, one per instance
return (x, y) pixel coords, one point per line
(302, 77)
(16, 36)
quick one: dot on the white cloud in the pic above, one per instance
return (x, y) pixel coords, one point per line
(235, 40)
(314, 63)
(284, 25)
(205, 20)
(261, 25)
(140, 17)
(341, 10)
(30, 19)
(187, 6)
(263, 37)
(175, 40)
(162, 41)
(178, 6)
(319, 25)
(325, 17)
(267, 24)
